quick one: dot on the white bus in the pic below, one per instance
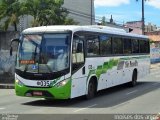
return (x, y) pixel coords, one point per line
(63, 62)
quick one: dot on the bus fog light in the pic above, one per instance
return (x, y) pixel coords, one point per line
(62, 83)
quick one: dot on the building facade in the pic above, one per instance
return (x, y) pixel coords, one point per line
(81, 11)
(136, 26)
(150, 27)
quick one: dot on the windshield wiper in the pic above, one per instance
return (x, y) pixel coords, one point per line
(26, 68)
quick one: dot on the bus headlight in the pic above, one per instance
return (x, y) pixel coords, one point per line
(62, 83)
(19, 82)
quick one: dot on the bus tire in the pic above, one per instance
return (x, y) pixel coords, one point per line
(92, 89)
(134, 79)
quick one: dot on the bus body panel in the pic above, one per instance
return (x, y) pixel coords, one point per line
(110, 72)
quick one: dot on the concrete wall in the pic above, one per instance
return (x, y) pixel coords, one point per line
(80, 11)
(155, 52)
(7, 62)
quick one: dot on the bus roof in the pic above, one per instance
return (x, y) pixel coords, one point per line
(74, 28)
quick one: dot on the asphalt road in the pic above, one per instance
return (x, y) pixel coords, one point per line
(142, 99)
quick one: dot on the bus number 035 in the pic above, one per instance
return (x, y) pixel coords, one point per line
(43, 83)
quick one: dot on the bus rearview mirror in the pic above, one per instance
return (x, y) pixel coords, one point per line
(11, 48)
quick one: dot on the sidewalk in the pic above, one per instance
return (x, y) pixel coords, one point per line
(6, 86)
(155, 65)
(11, 86)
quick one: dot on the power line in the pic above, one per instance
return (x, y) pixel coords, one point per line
(85, 15)
(81, 14)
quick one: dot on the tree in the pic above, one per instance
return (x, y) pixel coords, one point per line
(10, 11)
(70, 21)
(47, 12)
(44, 12)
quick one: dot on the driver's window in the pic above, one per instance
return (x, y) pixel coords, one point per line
(77, 52)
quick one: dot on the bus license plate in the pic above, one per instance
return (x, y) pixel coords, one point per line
(43, 83)
(37, 93)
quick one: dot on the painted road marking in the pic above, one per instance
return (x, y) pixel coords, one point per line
(155, 70)
(120, 105)
(131, 92)
(153, 73)
(2, 108)
(85, 108)
(157, 76)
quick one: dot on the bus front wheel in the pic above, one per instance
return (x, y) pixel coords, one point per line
(91, 89)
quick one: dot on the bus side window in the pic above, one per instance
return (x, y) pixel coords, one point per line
(117, 44)
(147, 44)
(77, 53)
(144, 46)
(92, 45)
(105, 45)
(127, 46)
(135, 46)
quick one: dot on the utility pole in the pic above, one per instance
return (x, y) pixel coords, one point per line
(91, 10)
(143, 22)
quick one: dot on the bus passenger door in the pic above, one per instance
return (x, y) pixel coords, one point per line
(78, 86)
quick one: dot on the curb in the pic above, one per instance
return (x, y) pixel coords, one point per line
(156, 65)
(6, 86)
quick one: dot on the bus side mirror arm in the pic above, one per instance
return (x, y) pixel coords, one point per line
(11, 48)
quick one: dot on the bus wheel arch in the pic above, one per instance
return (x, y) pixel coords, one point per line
(134, 78)
(92, 87)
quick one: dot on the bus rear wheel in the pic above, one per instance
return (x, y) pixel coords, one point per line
(91, 89)
(134, 79)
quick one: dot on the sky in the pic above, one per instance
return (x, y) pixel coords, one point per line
(128, 10)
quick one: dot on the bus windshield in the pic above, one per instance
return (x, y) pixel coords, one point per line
(45, 53)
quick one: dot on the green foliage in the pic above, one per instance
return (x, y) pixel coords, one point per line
(10, 11)
(151, 41)
(70, 21)
(104, 22)
(44, 12)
